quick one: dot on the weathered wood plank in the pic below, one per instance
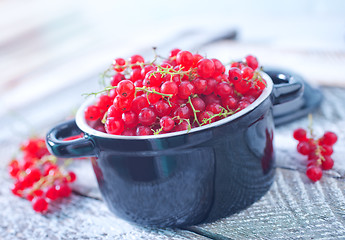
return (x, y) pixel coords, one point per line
(294, 208)
(73, 218)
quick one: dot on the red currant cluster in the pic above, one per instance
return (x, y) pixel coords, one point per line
(319, 151)
(184, 91)
(38, 177)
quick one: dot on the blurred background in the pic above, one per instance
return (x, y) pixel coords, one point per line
(53, 51)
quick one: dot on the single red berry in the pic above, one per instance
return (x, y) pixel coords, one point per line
(136, 60)
(303, 148)
(200, 85)
(93, 113)
(125, 89)
(327, 163)
(34, 174)
(143, 131)
(185, 89)
(147, 116)
(114, 112)
(154, 97)
(118, 64)
(153, 79)
(198, 104)
(329, 138)
(224, 90)
(136, 75)
(183, 126)
(167, 123)
(185, 59)
(13, 171)
(314, 173)
(216, 108)
(326, 150)
(252, 62)
(211, 86)
(206, 117)
(52, 193)
(206, 68)
(300, 135)
(182, 112)
(147, 69)
(139, 103)
(30, 146)
(230, 103)
(114, 126)
(162, 108)
(104, 102)
(63, 190)
(174, 52)
(118, 77)
(39, 204)
(72, 176)
(123, 104)
(197, 57)
(242, 86)
(247, 73)
(219, 68)
(169, 88)
(130, 119)
(235, 74)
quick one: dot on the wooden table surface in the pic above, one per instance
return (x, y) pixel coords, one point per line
(61, 65)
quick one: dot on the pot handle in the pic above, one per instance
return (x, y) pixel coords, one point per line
(287, 87)
(80, 147)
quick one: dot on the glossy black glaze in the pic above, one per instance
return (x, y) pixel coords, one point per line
(186, 179)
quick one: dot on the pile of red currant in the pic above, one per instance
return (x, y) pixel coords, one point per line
(38, 177)
(182, 92)
(318, 150)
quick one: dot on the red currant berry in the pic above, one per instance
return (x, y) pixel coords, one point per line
(182, 112)
(314, 173)
(139, 103)
(327, 163)
(206, 68)
(104, 102)
(247, 73)
(183, 126)
(118, 64)
(72, 176)
(329, 138)
(230, 103)
(326, 150)
(39, 204)
(206, 117)
(92, 113)
(153, 79)
(224, 90)
(117, 78)
(63, 190)
(198, 104)
(143, 131)
(174, 52)
(185, 59)
(147, 116)
(169, 88)
(129, 132)
(300, 135)
(162, 108)
(185, 89)
(154, 97)
(136, 60)
(130, 119)
(200, 85)
(211, 86)
(114, 126)
(235, 74)
(214, 107)
(252, 62)
(125, 89)
(113, 112)
(123, 104)
(136, 75)
(219, 68)
(147, 69)
(52, 193)
(303, 148)
(167, 123)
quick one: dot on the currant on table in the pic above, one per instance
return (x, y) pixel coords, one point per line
(38, 177)
(318, 150)
(181, 92)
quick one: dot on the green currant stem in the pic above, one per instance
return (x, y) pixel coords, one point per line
(194, 112)
(153, 91)
(102, 91)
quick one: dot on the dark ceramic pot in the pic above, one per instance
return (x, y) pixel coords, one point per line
(180, 179)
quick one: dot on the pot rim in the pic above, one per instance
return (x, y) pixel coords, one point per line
(82, 124)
